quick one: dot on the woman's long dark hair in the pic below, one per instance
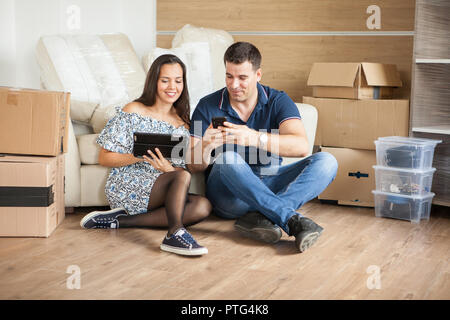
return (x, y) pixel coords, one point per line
(148, 96)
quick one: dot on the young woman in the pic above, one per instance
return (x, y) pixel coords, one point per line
(153, 191)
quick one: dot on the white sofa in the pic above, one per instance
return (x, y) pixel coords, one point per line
(104, 71)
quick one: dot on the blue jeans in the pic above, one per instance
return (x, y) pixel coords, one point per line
(235, 188)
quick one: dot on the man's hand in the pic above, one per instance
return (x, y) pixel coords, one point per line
(199, 153)
(212, 138)
(240, 134)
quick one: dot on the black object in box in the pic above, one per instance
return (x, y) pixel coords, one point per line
(403, 157)
(26, 196)
(404, 207)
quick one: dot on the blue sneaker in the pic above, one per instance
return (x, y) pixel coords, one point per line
(181, 242)
(103, 219)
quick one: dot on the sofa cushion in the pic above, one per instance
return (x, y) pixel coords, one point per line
(131, 73)
(196, 57)
(127, 63)
(103, 114)
(93, 180)
(63, 68)
(219, 41)
(81, 128)
(72, 165)
(88, 148)
(309, 119)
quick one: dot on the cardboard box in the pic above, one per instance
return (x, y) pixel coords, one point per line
(31, 195)
(33, 122)
(358, 123)
(60, 189)
(354, 80)
(355, 178)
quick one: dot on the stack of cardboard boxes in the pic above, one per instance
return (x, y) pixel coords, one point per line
(33, 140)
(355, 108)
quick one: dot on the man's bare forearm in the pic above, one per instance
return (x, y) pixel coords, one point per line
(287, 145)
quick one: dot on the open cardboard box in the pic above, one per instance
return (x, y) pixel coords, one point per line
(363, 80)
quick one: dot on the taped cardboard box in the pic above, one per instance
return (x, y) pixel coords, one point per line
(33, 122)
(363, 80)
(358, 123)
(355, 178)
(31, 195)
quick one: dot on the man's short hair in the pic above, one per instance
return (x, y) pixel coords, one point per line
(240, 52)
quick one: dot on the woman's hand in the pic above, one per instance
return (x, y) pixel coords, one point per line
(158, 161)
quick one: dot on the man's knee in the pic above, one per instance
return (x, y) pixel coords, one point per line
(328, 162)
(228, 207)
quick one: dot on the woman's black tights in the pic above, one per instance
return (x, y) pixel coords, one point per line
(170, 205)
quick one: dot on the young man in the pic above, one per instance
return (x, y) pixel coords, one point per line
(245, 179)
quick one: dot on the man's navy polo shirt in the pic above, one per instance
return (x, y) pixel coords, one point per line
(273, 108)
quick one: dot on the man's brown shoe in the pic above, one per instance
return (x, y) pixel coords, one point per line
(256, 226)
(305, 231)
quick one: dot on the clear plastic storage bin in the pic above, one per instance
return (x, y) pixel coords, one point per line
(404, 207)
(404, 152)
(403, 181)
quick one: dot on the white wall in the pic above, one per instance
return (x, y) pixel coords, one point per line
(23, 22)
(7, 43)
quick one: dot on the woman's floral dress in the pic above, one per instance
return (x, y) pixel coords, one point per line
(129, 186)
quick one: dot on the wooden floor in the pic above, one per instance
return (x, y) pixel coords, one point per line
(412, 260)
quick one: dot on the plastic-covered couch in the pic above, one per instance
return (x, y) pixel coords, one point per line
(103, 72)
(100, 72)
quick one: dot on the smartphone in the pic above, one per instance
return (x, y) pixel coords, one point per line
(218, 121)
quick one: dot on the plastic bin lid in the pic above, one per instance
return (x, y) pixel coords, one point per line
(409, 140)
(409, 196)
(415, 171)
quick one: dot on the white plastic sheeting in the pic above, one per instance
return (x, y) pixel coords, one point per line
(101, 72)
(219, 41)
